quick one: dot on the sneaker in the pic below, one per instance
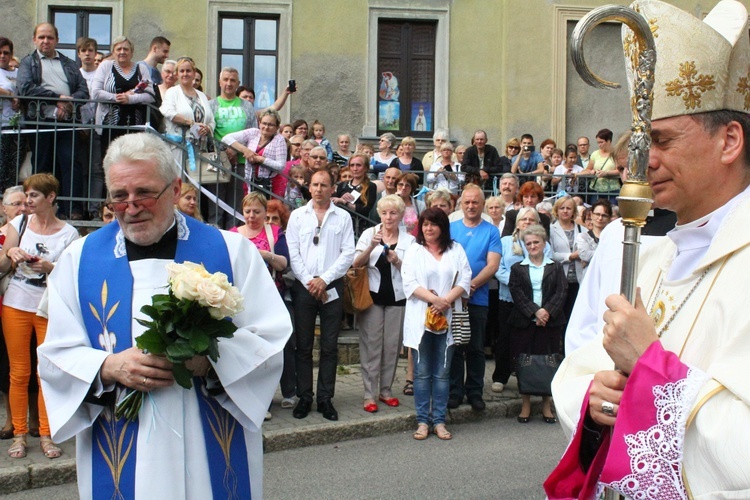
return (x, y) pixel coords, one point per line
(268, 416)
(289, 403)
(498, 386)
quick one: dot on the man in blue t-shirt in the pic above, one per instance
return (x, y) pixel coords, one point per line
(527, 161)
(481, 241)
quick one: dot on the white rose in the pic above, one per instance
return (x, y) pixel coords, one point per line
(185, 285)
(209, 293)
(232, 302)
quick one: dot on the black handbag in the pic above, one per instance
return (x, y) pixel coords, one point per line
(536, 371)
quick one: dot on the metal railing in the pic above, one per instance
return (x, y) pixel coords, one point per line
(64, 141)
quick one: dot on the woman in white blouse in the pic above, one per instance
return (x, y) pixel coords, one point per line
(188, 115)
(381, 249)
(435, 273)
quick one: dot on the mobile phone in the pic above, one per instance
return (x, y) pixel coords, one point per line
(33, 258)
(386, 249)
(292, 86)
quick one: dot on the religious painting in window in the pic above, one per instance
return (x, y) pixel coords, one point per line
(406, 74)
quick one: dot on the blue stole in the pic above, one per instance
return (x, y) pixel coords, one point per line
(106, 297)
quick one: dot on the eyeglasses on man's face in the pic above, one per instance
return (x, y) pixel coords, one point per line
(145, 202)
(317, 157)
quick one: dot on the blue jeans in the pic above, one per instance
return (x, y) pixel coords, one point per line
(431, 367)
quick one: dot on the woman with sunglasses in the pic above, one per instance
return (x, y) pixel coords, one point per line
(264, 149)
(32, 246)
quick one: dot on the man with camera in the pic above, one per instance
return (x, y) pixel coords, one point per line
(528, 161)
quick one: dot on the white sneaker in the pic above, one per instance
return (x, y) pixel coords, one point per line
(268, 416)
(289, 403)
(497, 387)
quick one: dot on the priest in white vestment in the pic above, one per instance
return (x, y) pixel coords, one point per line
(671, 423)
(197, 443)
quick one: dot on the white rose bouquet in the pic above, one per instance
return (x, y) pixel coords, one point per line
(187, 321)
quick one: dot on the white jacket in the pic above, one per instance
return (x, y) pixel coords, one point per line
(373, 274)
(561, 248)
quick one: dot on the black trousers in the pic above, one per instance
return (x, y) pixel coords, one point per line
(306, 308)
(501, 349)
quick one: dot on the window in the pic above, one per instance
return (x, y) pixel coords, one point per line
(75, 23)
(250, 44)
(406, 74)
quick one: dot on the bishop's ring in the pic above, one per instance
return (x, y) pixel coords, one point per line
(608, 408)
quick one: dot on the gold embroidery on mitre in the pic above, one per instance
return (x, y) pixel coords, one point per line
(629, 45)
(743, 87)
(658, 313)
(690, 85)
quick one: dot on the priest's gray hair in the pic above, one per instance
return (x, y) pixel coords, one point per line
(142, 147)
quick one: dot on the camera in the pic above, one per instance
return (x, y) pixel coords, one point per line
(292, 86)
(528, 149)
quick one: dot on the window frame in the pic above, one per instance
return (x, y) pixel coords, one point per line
(44, 9)
(406, 58)
(260, 8)
(440, 12)
(82, 28)
(248, 52)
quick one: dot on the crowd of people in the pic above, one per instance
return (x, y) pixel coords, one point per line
(432, 244)
(313, 209)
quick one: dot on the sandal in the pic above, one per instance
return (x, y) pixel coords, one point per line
(50, 449)
(409, 388)
(442, 433)
(18, 448)
(422, 432)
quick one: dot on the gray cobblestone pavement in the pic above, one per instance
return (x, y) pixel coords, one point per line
(283, 431)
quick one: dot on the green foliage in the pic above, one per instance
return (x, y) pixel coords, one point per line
(179, 330)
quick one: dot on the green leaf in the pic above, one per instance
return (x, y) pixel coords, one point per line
(182, 375)
(213, 350)
(146, 323)
(180, 351)
(151, 341)
(184, 332)
(150, 311)
(199, 341)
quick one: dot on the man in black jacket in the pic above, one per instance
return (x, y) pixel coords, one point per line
(46, 73)
(482, 160)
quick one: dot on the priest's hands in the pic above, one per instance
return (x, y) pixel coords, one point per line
(605, 394)
(132, 368)
(628, 331)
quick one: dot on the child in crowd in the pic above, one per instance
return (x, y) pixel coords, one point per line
(319, 130)
(335, 170)
(345, 175)
(296, 191)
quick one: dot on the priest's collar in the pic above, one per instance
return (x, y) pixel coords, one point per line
(694, 238)
(165, 248)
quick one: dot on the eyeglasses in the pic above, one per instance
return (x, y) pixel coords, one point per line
(316, 238)
(298, 144)
(514, 147)
(601, 216)
(145, 202)
(14, 204)
(316, 157)
(581, 145)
